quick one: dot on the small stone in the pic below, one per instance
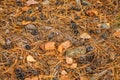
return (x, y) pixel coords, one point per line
(30, 59)
(85, 36)
(76, 52)
(85, 3)
(63, 72)
(69, 60)
(105, 25)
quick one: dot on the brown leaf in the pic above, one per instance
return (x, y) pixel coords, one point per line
(25, 22)
(63, 46)
(50, 46)
(74, 65)
(63, 72)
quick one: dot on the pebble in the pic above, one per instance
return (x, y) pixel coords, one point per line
(105, 25)
(76, 52)
(85, 36)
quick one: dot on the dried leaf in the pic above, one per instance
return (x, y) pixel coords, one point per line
(85, 36)
(30, 59)
(69, 60)
(31, 2)
(50, 46)
(63, 46)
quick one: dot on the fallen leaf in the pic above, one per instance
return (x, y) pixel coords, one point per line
(31, 2)
(2, 41)
(92, 12)
(50, 46)
(74, 65)
(30, 59)
(85, 36)
(63, 72)
(69, 60)
(63, 46)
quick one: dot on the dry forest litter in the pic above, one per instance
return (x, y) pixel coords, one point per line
(59, 39)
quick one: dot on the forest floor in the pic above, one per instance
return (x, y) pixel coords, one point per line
(59, 39)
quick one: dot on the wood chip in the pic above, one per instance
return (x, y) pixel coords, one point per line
(85, 36)
(50, 46)
(30, 59)
(63, 72)
(92, 12)
(69, 60)
(63, 46)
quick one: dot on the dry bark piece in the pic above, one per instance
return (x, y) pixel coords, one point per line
(31, 2)
(85, 36)
(63, 46)
(50, 46)
(30, 59)
(63, 72)
(69, 60)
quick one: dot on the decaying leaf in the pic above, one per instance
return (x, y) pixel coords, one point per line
(25, 8)
(69, 60)
(85, 36)
(64, 77)
(30, 59)
(63, 46)
(31, 2)
(50, 46)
